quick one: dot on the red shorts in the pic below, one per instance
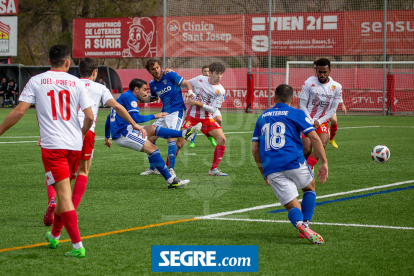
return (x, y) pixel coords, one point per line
(208, 124)
(323, 128)
(60, 164)
(88, 145)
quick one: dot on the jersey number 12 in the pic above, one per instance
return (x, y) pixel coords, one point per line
(274, 135)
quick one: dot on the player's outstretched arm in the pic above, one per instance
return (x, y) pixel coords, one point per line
(14, 116)
(189, 87)
(121, 111)
(320, 151)
(256, 156)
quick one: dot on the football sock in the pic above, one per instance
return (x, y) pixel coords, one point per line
(79, 189)
(218, 155)
(50, 191)
(311, 161)
(295, 215)
(156, 159)
(167, 133)
(54, 237)
(77, 245)
(152, 166)
(333, 130)
(57, 225)
(193, 140)
(70, 221)
(172, 151)
(168, 160)
(308, 204)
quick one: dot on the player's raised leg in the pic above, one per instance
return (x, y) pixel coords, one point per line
(333, 129)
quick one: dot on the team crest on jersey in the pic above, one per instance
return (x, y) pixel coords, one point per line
(165, 82)
(217, 92)
(188, 124)
(134, 104)
(333, 88)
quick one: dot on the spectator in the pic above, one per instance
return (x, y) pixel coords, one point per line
(101, 81)
(12, 91)
(3, 91)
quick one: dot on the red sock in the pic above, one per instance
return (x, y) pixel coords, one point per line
(50, 191)
(70, 221)
(218, 155)
(79, 189)
(333, 130)
(57, 225)
(167, 163)
(311, 161)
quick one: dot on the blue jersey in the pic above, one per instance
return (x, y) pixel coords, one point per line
(278, 131)
(169, 90)
(116, 125)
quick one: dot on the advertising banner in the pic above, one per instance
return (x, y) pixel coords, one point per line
(9, 7)
(8, 36)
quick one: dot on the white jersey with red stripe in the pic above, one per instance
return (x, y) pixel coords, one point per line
(57, 96)
(320, 96)
(206, 93)
(98, 93)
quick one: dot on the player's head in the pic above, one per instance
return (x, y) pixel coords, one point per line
(153, 66)
(139, 88)
(284, 94)
(11, 82)
(323, 69)
(88, 68)
(217, 70)
(205, 71)
(59, 57)
(314, 68)
(4, 80)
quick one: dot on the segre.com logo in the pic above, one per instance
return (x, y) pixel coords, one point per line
(206, 258)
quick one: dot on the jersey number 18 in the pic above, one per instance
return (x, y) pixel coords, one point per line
(274, 135)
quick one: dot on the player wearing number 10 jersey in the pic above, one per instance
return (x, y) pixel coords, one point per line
(57, 96)
(277, 150)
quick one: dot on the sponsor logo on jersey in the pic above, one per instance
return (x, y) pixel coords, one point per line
(165, 90)
(201, 80)
(333, 88)
(134, 104)
(313, 85)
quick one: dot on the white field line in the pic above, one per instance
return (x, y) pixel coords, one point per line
(319, 223)
(318, 197)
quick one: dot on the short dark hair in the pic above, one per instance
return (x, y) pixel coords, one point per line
(136, 83)
(11, 81)
(87, 66)
(314, 63)
(151, 62)
(323, 62)
(217, 67)
(58, 54)
(284, 93)
(204, 67)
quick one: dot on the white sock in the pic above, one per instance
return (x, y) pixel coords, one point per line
(77, 245)
(170, 180)
(306, 223)
(53, 237)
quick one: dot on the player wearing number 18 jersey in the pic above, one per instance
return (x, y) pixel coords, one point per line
(276, 148)
(57, 96)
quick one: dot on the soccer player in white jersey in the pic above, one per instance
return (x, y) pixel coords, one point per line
(333, 120)
(88, 68)
(57, 96)
(205, 71)
(277, 150)
(208, 97)
(319, 100)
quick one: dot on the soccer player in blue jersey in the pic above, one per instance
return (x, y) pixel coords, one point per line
(277, 149)
(125, 136)
(167, 87)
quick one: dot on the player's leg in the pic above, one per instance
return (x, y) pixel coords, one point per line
(333, 130)
(219, 119)
(307, 146)
(192, 143)
(151, 169)
(217, 133)
(167, 133)
(323, 134)
(79, 187)
(51, 205)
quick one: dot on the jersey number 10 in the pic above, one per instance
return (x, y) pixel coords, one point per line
(274, 135)
(62, 93)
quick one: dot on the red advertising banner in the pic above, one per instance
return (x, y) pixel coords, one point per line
(9, 7)
(115, 37)
(190, 36)
(364, 34)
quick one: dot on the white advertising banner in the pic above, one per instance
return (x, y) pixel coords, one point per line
(8, 36)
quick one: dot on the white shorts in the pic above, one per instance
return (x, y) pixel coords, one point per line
(172, 121)
(217, 113)
(285, 184)
(131, 140)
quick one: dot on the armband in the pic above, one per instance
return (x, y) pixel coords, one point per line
(190, 93)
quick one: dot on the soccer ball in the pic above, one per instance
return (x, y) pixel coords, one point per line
(380, 154)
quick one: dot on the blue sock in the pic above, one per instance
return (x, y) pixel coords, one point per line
(172, 153)
(152, 166)
(156, 159)
(167, 133)
(295, 215)
(308, 204)
(193, 141)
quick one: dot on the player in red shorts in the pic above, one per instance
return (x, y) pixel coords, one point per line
(208, 97)
(88, 69)
(319, 100)
(57, 96)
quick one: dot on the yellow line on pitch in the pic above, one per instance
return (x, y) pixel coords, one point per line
(101, 235)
